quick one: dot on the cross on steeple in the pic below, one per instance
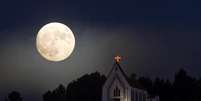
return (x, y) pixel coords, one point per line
(117, 59)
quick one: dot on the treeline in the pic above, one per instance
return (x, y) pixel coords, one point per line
(86, 88)
(89, 88)
(182, 88)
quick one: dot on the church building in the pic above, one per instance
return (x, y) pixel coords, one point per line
(118, 88)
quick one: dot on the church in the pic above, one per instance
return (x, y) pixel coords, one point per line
(118, 88)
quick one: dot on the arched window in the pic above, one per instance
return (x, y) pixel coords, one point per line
(116, 92)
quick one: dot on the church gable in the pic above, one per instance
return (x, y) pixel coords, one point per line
(116, 87)
(116, 90)
(117, 74)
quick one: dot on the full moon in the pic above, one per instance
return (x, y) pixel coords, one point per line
(55, 41)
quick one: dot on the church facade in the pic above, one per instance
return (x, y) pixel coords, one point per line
(118, 88)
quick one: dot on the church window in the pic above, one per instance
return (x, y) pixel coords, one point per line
(116, 92)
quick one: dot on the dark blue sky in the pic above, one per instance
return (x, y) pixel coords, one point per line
(154, 38)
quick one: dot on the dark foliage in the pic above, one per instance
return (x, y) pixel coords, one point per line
(59, 94)
(89, 88)
(183, 88)
(14, 96)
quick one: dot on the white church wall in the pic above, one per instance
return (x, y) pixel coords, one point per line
(129, 93)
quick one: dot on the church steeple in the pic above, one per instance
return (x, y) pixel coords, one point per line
(116, 67)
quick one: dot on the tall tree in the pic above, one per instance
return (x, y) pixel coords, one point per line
(183, 86)
(14, 96)
(146, 83)
(47, 96)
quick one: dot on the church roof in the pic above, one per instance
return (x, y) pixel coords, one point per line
(133, 84)
(116, 66)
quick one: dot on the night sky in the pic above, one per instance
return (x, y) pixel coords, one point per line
(154, 37)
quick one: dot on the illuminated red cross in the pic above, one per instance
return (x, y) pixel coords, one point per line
(117, 58)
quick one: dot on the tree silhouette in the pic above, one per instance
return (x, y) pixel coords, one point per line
(197, 91)
(14, 96)
(146, 84)
(87, 88)
(59, 94)
(183, 86)
(47, 96)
